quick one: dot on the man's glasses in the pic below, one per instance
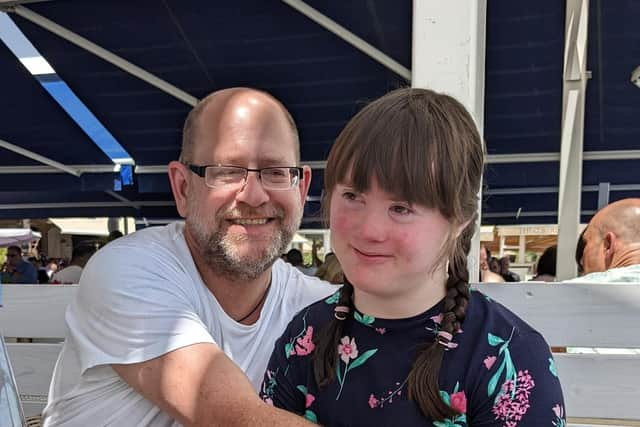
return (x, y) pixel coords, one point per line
(230, 177)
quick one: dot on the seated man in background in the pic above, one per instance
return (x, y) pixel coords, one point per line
(71, 274)
(17, 270)
(168, 320)
(612, 244)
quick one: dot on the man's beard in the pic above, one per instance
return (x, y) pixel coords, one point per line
(219, 248)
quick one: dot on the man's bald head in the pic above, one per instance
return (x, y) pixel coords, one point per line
(622, 218)
(612, 238)
(220, 101)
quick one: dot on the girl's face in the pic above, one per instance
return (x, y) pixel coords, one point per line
(387, 247)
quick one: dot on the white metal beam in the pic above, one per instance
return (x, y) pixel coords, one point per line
(124, 200)
(104, 54)
(575, 78)
(63, 205)
(349, 37)
(50, 169)
(39, 158)
(448, 55)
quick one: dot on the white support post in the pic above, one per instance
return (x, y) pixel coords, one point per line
(575, 78)
(522, 247)
(449, 41)
(108, 56)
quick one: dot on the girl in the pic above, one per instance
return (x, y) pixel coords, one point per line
(405, 342)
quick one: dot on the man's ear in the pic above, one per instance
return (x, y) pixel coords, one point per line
(179, 179)
(305, 182)
(609, 244)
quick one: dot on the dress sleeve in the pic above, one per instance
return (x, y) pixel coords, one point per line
(285, 380)
(520, 384)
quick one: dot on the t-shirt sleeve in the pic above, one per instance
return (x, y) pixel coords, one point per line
(520, 383)
(134, 303)
(284, 384)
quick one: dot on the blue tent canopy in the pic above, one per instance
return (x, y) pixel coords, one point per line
(200, 46)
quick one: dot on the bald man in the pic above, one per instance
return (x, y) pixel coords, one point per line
(174, 325)
(612, 244)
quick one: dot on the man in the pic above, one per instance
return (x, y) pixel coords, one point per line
(71, 273)
(611, 250)
(162, 315)
(17, 270)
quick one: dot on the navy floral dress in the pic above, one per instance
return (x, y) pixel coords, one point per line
(500, 374)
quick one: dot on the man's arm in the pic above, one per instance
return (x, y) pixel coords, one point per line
(199, 385)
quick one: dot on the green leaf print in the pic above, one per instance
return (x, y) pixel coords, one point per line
(365, 320)
(287, 349)
(302, 389)
(496, 377)
(494, 340)
(445, 397)
(552, 367)
(311, 416)
(333, 299)
(363, 358)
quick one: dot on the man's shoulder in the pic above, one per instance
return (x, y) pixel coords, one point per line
(629, 274)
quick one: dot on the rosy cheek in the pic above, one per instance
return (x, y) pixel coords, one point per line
(341, 222)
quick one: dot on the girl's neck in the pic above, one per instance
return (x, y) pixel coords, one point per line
(403, 305)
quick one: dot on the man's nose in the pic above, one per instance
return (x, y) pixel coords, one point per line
(252, 192)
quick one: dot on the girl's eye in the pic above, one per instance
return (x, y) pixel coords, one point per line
(348, 195)
(401, 210)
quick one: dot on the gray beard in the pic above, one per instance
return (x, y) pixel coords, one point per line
(218, 254)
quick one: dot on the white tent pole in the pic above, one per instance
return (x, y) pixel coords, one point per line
(349, 37)
(38, 158)
(448, 56)
(62, 205)
(575, 78)
(123, 199)
(104, 54)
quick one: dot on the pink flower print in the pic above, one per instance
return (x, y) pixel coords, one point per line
(373, 402)
(511, 410)
(489, 361)
(437, 319)
(381, 331)
(347, 349)
(268, 401)
(459, 402)
(558, 410)
(304, 345)
(308, 400)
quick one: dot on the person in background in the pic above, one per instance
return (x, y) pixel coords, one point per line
(546, 267)
(330, 270)
(611, 250)
(405, 342)
(171, 326)
(18, 270)
(486, 273)
(71, 273)
(506, 273)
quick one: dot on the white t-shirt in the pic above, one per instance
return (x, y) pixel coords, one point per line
(141, 296)
(67, 275)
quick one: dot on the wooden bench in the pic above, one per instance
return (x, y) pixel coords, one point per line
(599, 389)
(34, 313)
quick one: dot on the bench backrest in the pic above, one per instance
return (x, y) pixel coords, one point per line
(599, 385)
(34, 313)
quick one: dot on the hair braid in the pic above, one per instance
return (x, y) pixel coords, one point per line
(326, 354)
(423, 378)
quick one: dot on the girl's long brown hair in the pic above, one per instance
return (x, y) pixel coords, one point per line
(422, 147)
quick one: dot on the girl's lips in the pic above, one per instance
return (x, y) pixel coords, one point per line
(370, 257)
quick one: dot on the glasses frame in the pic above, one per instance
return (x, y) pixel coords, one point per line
(201, 171)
